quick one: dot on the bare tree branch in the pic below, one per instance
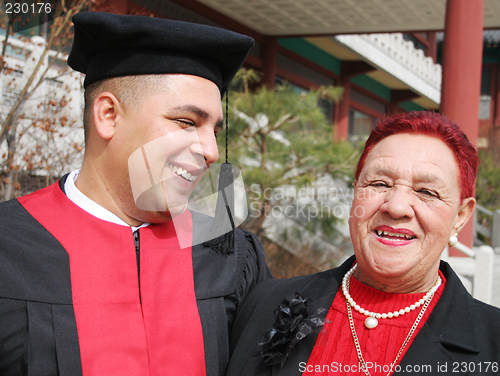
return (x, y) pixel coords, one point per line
(23, 95)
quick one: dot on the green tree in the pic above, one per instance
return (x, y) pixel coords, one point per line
(487, 188)
(488, 181)
(281, 139)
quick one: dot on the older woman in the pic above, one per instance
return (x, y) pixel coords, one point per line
(393, 308)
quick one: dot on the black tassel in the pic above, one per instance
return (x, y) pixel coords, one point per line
(221, 233)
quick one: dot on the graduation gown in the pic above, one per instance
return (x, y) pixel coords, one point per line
(460, 337)
(58, 317)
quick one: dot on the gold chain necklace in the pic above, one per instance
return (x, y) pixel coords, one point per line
(373, 317)
(407, 339)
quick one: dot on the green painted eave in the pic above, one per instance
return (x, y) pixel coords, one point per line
(373, 86)
(411, 106)
(322, 58)
(311, 52)
(491, 59)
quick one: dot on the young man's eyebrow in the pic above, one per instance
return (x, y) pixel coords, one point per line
(199, 112)
(194, 109)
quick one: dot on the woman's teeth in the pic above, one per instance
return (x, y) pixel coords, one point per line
(393, 234)
(181, 172)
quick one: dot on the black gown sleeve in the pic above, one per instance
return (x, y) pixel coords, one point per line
(222, 282)
(13, 329)
(38, 333)
(253, 266)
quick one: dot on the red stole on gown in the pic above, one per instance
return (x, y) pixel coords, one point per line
(126, 328)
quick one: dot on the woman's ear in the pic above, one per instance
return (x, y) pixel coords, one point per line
(464, 213)
(106, 107)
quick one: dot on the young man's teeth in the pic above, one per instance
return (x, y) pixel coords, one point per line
(181, 172)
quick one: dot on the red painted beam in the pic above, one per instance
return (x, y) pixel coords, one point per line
(355, 68)
(402, 95)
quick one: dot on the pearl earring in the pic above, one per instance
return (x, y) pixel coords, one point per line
(453, 240)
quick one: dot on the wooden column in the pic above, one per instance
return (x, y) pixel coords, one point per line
(348, 69)
(393, 108)
(269, 54)
(432, 48)
(397, 97)
(461, 85)
(496, 98)
(341, 129)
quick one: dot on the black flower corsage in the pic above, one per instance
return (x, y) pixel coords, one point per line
(293, 323)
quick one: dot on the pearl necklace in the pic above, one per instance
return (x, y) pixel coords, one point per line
(364, 366)
(373, 317)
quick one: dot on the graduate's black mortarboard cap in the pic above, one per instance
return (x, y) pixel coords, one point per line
(109, 45)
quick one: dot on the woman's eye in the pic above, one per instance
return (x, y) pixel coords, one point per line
(428, 192)
(379, 184)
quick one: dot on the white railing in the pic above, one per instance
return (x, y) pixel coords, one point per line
(483, 274)
(398, 58)
(492, 233)
(477, 271)
(487, 263)
(400, 49)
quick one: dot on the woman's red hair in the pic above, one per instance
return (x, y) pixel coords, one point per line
(435, 125)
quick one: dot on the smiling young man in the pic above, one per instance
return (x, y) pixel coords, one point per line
(163, 110)
(100, 273)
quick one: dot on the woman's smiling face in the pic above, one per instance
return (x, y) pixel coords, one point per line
(406, 206)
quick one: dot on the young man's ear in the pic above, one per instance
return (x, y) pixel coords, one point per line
(106, 107)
